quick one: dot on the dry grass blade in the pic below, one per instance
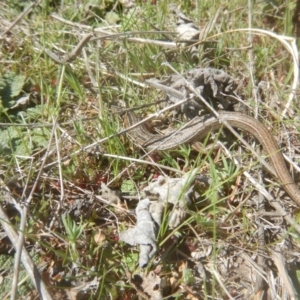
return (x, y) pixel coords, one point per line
(19, 18)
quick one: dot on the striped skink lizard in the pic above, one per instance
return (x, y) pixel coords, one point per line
(199, 127)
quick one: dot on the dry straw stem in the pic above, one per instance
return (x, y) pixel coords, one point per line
(119, 133)
(143, 162)
(275, 204)
(220, 281)
(68, 57)
(288, 42)
(109, 35)
(20, 243)
(25, 257)
(280, 263)
(19, 18)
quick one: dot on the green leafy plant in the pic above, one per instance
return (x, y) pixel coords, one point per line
(74, 232)
(11, 86)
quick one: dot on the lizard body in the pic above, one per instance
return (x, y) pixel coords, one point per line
(199, 127)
